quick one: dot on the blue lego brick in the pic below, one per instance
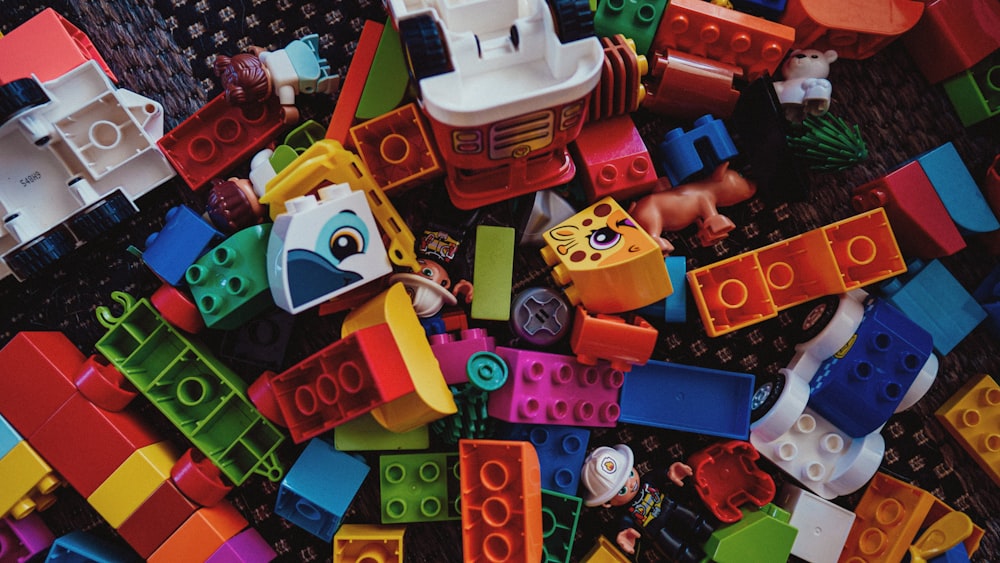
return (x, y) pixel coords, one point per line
(859, 387)
(185, 236)
(673, 309)
(561, 451)
(319, 488)
(687, 154)
(8, 437)
(83, 547)
(957, 190)
(767, 9)
(688, 398)
(560, 515)
(988, 297)
(931, 296)
(957, 554)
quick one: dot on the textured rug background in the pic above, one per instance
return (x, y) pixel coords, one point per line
(163, 49)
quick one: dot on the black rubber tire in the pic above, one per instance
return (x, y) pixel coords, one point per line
(818, 315)
(573, 18)
(101, 216)
(19, 95)
(424, 47)
(40, 253)
(765, 395)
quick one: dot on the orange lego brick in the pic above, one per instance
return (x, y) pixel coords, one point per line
(397, 149)
(856, 29)
(610, 337)
(354, 83)
(865, 249)
(501, 500)
(731, 294)
(800, 269)
(203, 533)
(703, 29)
(972, 417)
(48, 46)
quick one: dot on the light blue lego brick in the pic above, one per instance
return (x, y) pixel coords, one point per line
(83, 547)
(319, 488)
(8, 437)
(688, 398)
(958, 190)
(672, 309)
(930, 296)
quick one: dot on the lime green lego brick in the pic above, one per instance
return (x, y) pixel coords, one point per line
(762, 536)
(204, 399)
(387, 79)
(560, 515)
(971, 92)
(635, 19)
(364, 433)
(492, 273)
(419, 487)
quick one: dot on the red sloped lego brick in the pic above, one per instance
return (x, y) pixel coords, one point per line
(38, 373)
(156, 519)
(952, 36)
(86, 444)
(342, 381)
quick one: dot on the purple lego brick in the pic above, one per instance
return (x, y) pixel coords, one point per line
(20, 540)
(245, 547)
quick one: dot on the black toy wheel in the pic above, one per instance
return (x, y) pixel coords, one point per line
(765, 396)
(424, 47)
(574, 20)
(39, 253)
(819, 314)
(101, 216)
(19, 95)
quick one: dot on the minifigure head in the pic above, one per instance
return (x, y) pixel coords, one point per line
(808, 63)
(609, 477)
(435, 272)
(244, 78)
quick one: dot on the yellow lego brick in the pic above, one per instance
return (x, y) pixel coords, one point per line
(328, 162)
(972, 416)
(431, 398)
(609, 263)
(133, 482)
(368, 543)
(605, 552)
(28, 482)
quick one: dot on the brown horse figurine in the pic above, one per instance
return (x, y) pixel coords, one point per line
(675, 208)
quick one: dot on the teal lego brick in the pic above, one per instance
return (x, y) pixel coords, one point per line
(957, 189)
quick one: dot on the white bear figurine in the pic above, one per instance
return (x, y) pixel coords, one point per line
(805, 90)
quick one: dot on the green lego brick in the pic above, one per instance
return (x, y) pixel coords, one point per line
(492, 273)
(419, 487)
(762, 536)
(635, 19)
(975, 96)
(364, 434)
(387, 79)
(560, 515)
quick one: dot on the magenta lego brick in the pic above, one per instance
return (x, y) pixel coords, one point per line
(21, 540)
(245, 547)
(453, 353)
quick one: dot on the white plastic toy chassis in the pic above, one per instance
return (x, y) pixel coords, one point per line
(75, 152)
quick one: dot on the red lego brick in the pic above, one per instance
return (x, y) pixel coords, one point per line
(39, 369)
(397, 149)
(156, 519)
(354, 83)
(86, 444)
(620, 88)
(48, 46)
(726, 477)
(856, 29)
(218, 137)
(201, 535)
(919, 219)
(952, 36)
(687, 86)
(342, 381)
(699, 28)
(613, 159)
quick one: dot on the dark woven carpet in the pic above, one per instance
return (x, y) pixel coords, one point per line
(163, 50)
